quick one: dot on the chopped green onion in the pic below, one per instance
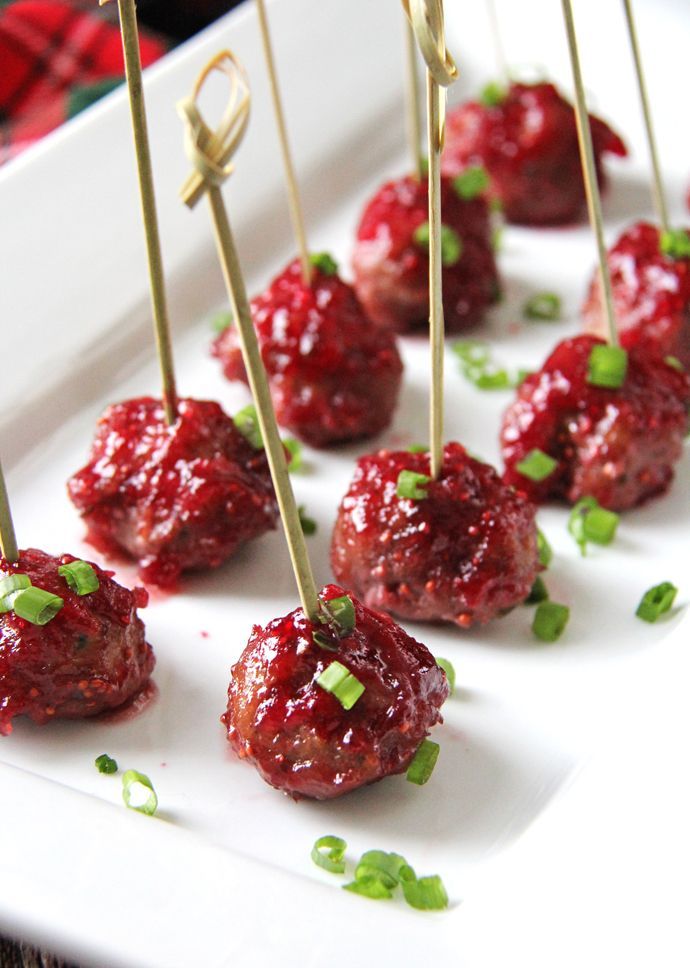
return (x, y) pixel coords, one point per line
(497, 238)
(371, 887)
(339, 681)
(105, 764)
(329, 852)
(538, 593)
(381, 865)
(247, 422)
(423, 893)
(550, 619)
(451, 243)
(325, 263)
(472, 352)
(36, 605)
(493, 380)
(449, 671)
(308, 524)
(325, 641)
(417, 449)
(588, 521)
(10, 587)
(80, 576)
(409, 485)
(471, 182)
(543, 306)
(422, 766)
(675, 363)
(294, 449)
(340, 612)
(536, 465)
(544, 548)
(607, 366)
(656, 601)
(135, 785)
(220, 322)
(476, 365)
(675, 243)
(492, 94)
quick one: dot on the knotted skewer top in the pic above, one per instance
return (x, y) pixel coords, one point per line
(426, 17)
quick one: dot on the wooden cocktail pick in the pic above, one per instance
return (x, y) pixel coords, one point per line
(211, 152)
(414, 125)
(426, 17)
(497, 39)
(8, 538)
(130, 47)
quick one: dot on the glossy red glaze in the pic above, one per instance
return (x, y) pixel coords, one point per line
(333, 376)
(528, 145)
(91, 656)
(392, 271)
(618, 446)
(651, 294)
(465, 553)
(299, 737)
(176, 498)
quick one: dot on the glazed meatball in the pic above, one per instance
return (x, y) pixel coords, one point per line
(299, 736)
(178, 497)
(526, 139)
(91, 656)
(334, 377)
(464, 550)
(391, 257)
(616, 445)
(651, 294)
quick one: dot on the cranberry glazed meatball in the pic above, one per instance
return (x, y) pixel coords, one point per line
(90, 656)
(526, 138)
(305, 740)
(177, 497)
(333, 376)
(460, 549)
(616, 445)
(391, 257)
(651, 294)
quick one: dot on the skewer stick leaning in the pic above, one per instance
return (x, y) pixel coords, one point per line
(657, 183)
(130, 47)
(426, 17)
(8, 538)
(589, 172)
(414, 127)
(499, 51)
(210, 153)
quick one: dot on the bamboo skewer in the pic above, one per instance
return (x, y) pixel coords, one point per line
(295, 203)
(130, 47)
(657, 183)
(414, 126)
(8, 538)
(589, 172)
(499, 50)
(208, 152)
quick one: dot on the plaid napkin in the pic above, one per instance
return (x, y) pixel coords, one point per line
(57, 57)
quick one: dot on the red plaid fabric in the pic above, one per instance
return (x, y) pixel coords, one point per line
(57, 57)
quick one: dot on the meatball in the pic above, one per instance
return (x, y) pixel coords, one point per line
(334, 377)
(91, 656)
(651, 294)
(178, 497)
(526, 139)
(464, 550)
(391, 257)
(616, 445)
(299, 736)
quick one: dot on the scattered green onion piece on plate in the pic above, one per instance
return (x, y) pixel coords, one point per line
(607, 366)
(134, 786)
(417, 449)
(80, 576)
(329, 852)
(588, 521)
(492, 380)
(536, 465)
(675, 243)
(447, 667)
(423, 893)
(472, 351)
(410, 485)
(471, 182)
(543, 306)
(247, 422)
(544, 549)
(105, 764)
(538, 592)
(656, 601)
(550, 619)
(382, 865)
(36, 605)
(371, 887)
(309, 526)
(324, 262)
(220, 322)
(339, 681)
(422, 766)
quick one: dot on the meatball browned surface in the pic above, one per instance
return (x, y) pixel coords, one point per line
(391, 269)
(333, 376)
(465, 553)
(527, 142)
(299, 737)
(176, 498)
(90, 657)
(651, 295)
(616, 445)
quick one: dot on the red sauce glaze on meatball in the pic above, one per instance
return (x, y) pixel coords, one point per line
(618, 446)
(299, 737)
(90, 657)
(178, 497)
(651, 294)
(334, 377)
(528, 145)
(391, 270)
(465, 553)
